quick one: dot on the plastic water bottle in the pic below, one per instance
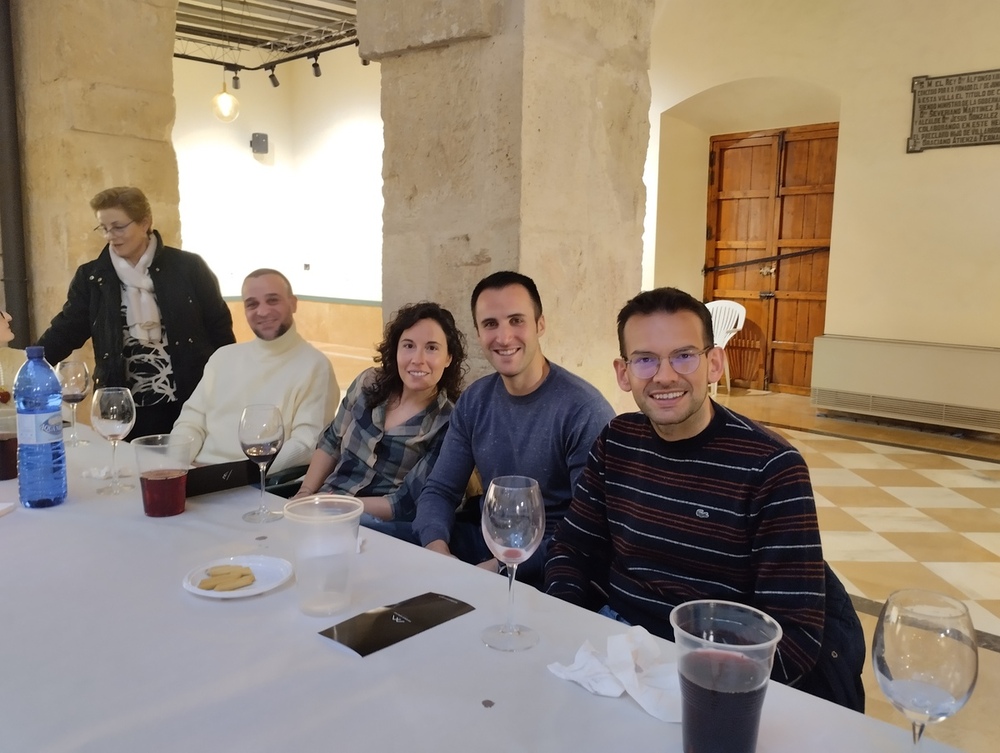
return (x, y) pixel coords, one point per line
(41, 456)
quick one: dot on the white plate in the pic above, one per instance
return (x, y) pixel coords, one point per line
(270, 572)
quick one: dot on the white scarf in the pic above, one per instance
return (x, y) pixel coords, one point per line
(142, 315)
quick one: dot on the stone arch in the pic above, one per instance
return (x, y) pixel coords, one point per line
(685, 128)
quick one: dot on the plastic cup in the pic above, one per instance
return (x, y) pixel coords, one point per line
(163, 466)
(326, 542)
(8, 447)
(724, 655)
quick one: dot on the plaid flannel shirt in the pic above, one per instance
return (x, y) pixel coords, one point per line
(368, 461)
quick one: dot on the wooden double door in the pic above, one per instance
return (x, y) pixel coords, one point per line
(770, 207)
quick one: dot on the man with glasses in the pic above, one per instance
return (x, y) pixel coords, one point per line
(690, 500)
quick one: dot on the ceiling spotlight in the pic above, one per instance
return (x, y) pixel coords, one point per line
(365, 61)
(236, 79)
(274, 79)
(316, 71)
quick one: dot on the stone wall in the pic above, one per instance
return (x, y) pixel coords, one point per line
(515, 138)
(95, 107)
(585, 132)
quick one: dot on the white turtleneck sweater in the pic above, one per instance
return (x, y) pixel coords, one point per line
(287, 372)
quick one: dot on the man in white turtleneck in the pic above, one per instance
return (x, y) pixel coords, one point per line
(277, 367)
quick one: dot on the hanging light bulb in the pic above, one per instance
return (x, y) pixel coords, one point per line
(225, 106)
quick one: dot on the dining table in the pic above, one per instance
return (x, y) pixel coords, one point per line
(102, 649)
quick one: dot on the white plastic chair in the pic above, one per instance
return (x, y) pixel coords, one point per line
(727, 320)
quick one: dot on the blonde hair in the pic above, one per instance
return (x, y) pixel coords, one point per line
(127, 198)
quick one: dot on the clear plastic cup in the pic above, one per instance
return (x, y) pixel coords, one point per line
(724, 655)
(163, 466)
(326, 542)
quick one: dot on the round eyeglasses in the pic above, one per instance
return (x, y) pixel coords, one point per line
(113, 230)
(682, 362)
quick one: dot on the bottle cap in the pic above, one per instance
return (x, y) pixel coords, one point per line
(35, 351)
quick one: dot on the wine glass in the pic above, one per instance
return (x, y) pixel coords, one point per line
(261, 435)
(924, 655)
(513, 524)
(75, 380)
(112, 414)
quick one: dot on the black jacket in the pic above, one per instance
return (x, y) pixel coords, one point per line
(196, 318)
(837, 674)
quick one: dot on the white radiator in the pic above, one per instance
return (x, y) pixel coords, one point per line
(946, 385)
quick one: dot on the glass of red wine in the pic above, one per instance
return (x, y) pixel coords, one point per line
(262, 433)
(163, 461)
(75, 380)
(513, 523)
(725, 651)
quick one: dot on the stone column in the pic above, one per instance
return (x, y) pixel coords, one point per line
(96, 109)
(515, 138)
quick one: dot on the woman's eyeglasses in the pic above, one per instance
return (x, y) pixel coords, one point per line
(113, 230)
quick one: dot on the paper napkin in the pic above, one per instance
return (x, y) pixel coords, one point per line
(632, 665)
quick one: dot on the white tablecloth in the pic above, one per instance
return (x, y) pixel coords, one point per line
(102, 650)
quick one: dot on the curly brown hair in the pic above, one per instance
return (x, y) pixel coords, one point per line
(387, 381)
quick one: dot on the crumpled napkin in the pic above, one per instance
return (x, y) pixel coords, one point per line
(105, 472)
(632, 665)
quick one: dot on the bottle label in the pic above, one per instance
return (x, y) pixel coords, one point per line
(39, 428)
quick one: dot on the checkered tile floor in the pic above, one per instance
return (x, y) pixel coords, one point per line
(894, 518)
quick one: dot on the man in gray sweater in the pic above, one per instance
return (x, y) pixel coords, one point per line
(532, 418)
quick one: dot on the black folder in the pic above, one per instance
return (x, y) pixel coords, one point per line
(205, 479)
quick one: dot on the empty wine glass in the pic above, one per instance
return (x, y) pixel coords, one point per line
(513, 524)
(261, 435)
(112, 414)
(924, 655)
(75, 380)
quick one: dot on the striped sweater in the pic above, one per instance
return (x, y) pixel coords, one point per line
(728, 514)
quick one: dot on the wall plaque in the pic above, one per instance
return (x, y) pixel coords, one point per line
(958, 110)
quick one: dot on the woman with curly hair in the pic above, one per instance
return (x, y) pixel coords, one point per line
(389, 428)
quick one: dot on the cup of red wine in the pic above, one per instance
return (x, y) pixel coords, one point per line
(163, 462)
(724, 655)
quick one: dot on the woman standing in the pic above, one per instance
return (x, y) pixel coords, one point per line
(388, 431)
(155, 313)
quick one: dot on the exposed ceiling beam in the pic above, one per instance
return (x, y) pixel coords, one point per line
(274, 30)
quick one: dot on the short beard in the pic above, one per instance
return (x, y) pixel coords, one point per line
(282, 329)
